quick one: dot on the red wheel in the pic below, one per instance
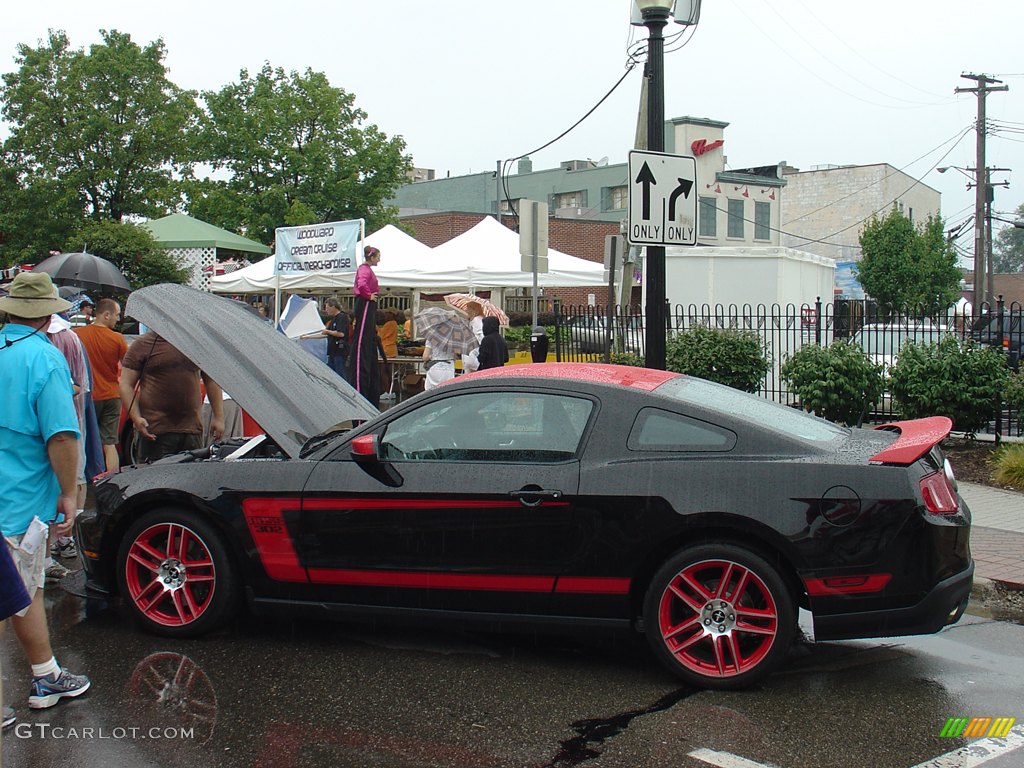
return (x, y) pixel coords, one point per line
(175, 574)
(719, 616)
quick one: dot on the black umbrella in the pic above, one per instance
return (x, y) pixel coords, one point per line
(84, 270)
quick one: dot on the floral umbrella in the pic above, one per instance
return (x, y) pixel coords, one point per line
(446, 331)
(463, 300)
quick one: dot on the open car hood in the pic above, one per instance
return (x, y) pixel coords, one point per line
(289, 392)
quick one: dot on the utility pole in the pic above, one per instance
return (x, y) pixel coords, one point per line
(981, 192)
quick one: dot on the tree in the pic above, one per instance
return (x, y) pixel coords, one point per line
(103, 132)
(903, 267)
(35, 219)
(1008, 248)
(297, 153)
(132, 249)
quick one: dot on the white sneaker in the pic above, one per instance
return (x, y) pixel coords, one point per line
(55, 572)
(64, 547)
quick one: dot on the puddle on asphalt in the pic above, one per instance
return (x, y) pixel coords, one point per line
(594, 732)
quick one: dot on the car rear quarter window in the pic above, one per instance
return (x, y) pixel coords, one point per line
(753, 410)
(658, 430)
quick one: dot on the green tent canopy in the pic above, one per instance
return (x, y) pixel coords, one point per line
(181, 231)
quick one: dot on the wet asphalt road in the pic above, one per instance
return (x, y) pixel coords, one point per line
(308, 694)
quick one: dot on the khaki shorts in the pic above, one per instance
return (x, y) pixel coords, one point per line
(108, 414)
(31, 568)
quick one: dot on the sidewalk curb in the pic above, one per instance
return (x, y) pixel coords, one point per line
(1006, 599)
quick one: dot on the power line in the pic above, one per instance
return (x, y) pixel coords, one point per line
(506, 164)
(957, 138)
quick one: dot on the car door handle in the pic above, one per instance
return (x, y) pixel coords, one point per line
(532, 497)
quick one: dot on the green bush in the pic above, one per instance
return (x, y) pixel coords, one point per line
(1014, 394)
(627, 358)
(961, 381)
(732, 357)
(838, 382)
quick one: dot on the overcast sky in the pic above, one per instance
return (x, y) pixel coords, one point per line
(471, 82)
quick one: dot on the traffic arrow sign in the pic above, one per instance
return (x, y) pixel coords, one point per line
(662, 202)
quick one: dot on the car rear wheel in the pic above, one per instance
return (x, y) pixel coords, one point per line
(175, 574)
(719, 616)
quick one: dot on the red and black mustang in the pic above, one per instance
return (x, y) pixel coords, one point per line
(553, 495)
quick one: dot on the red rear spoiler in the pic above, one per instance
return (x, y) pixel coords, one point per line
(916, 438)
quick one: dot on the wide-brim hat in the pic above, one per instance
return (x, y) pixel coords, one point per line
(32, 295)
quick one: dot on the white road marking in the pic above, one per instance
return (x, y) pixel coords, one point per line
(978, 752)
(725, 759)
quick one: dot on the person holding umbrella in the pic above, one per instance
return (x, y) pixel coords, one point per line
(447, 334)
(364, 373)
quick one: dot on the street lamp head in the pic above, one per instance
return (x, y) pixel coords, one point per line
(686, 12)
(943, 169)
(649, 5)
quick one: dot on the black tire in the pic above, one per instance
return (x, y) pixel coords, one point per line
(719, 616)
(176, 575)
(129, 444)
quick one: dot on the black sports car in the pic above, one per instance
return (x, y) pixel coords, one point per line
(550, 495)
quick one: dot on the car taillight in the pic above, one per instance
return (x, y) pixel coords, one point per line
(938, 493)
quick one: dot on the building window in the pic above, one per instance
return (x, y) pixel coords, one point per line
(735, 225)
(762, 221)
(707, 226)
(616, 198)
(569, 200)
(507, 207)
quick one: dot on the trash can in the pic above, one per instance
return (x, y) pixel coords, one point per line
(539, 344)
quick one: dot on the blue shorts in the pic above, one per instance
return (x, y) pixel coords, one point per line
(13, 597)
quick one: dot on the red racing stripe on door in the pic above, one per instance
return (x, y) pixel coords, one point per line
(265, 519)
(432, 580)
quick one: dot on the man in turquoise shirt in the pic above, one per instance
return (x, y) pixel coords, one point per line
(38, 467)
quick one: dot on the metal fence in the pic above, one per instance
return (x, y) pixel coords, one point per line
(585, 332)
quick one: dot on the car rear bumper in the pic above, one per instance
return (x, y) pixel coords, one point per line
(942, 606)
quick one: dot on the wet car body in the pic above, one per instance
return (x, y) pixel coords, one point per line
(557, 495)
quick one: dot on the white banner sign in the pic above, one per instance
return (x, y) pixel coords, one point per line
(330, 247)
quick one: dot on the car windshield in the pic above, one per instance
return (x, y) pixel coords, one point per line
(750, 408)
(890, 340)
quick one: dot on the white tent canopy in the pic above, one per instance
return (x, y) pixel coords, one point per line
(486, 256)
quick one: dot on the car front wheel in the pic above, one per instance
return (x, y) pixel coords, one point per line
(175, 574)
(719, 616)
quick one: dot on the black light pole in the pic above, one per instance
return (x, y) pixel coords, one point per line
(655, 16)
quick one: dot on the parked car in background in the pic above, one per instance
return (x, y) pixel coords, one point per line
(589, 334)
(1002, 330)
(883, 342)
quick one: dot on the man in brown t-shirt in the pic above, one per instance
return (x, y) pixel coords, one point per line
(167, 410)
(105, 347)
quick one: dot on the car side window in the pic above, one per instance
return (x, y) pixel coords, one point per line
(497, 427)
(658, 430)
